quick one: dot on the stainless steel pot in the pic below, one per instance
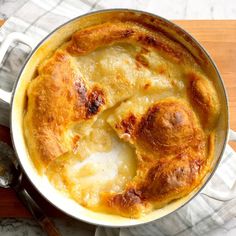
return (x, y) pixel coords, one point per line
(16, 100)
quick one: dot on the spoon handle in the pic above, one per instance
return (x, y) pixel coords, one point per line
(47, 225)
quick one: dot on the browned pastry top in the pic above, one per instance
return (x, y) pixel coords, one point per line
(122, 85)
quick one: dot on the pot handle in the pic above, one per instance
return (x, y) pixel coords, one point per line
(219, 195)
(11, 38)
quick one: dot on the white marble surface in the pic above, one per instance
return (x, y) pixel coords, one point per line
(28, 227)
(171, 9)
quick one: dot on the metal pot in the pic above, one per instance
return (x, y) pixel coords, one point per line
(16, 100)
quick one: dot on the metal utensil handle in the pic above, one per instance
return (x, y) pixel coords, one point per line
(47, 225)
(220, 195)
(11, 38)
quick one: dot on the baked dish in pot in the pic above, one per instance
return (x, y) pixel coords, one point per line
(121, 118)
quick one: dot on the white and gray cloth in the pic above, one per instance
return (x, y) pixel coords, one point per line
(38, 18)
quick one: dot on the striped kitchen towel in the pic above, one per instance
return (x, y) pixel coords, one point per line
(37, 19)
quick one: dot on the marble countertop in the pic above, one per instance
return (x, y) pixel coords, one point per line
(170, 9)
(178, 9)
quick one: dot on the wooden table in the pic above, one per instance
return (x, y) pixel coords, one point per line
(218, 37)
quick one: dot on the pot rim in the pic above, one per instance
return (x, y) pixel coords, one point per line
(198, 46)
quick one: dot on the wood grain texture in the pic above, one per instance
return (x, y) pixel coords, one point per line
(219, 39)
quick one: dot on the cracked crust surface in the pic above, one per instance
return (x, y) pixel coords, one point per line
(122, 79)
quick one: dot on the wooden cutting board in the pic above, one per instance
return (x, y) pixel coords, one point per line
(219, 39)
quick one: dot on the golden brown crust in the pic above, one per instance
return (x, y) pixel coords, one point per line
(128, 203)
(57, 98)
(204, 98)
(52, 98)
(166, 181)
(169, 180)
(172, 150)
(167, 127)
(89, 39)
(170, 134)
